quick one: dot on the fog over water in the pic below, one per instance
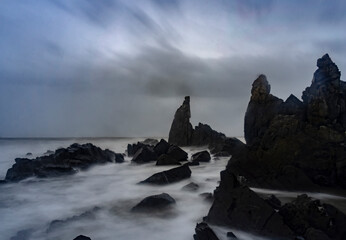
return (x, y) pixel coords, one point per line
(105, 194)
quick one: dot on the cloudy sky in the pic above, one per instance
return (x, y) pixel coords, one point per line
(122, 67)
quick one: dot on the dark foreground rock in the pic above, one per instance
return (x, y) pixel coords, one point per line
(204, 232)
(236, 206)
(63, 161)
(82, 237)
(177, 153)
(161, 147)
(144, 155)
(169, 176)
(203, 156)
(165, 159)
(155, 202)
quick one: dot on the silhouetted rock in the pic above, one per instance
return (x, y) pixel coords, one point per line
(203, 156)
(150, 141)
(181, 130)
(169, 176)
(261, 109)
(177, 153)
(144, 155)
(204, 135)
(133, 148)
(237, 206)
(28, 154)
(304, 213)
(204, 232)
(63, 162)
(161, 147)
(82, 237)
(273, 201)
(165, 159)
(155, 202)
(191, 187)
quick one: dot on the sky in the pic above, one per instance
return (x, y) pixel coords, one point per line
(120, 68)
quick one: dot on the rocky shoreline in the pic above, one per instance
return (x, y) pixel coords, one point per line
(290, 145)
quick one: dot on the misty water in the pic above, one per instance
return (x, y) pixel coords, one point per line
(104, 195)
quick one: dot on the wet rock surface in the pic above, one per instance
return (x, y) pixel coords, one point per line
(63, 161)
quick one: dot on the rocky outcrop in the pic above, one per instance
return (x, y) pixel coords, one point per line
(144, 155)
(203, 156)
(181, 130)
(204, 232)
(63, 161)
(169, 176)
(237, 206)
(295, 144)
(155, 202)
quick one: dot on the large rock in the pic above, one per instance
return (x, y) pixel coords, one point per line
(63, 162)
(144, 155)
(161, 147)
(155, 202)
(181, 130)
(203, 156)
(169, 176)
(165, 159)
(307, 217)
(236, 206)
(204, 232)
(204, 135)
(177, 153)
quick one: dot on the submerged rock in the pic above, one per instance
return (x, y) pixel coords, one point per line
(181, 130)
(191, 187)
(64, 161)
(169, 176)
(204, 232)
(155, 202)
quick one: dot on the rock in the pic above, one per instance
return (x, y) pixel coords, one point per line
(49, 152)
(193, 163)
(304, 213)
(119, 158)
(64, 161)
(236, 206)
(165, 159)
(204, 232)
(150, 142)
(231, 235)
(207, 197)
(261, 109)
(191, 187)
(273, 201)
(144, 155)
(155, 202)
(181, 130)
(28, 154)
(177, 153)
(133, 148)
(161, 147)
(169, 176)
(222, 154)
(314, 234)
(82, 237)
(204, 135)
(203, 156)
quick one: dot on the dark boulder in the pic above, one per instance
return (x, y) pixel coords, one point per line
(82, 237)
(133, 148)
(155, 202)
(144, 155)
(165, 159)
(273, 201)
(169, 176)
(181, 130)
(237, 206)
(161, 147)
(64, 161)
(204, 232)
(203, 156)
(204, 135)
(191, 187)
(305, 213)
(150, 142)
(177, 153)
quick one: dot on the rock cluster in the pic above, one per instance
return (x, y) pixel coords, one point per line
(296, 144)
(63, 161)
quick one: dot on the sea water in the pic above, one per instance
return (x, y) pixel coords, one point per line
(103, 197)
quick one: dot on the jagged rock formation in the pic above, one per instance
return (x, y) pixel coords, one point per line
(63, 161)
(293, 144)
(181, 130)
(182, 133)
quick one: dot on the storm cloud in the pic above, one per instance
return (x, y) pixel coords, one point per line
(121, 68)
